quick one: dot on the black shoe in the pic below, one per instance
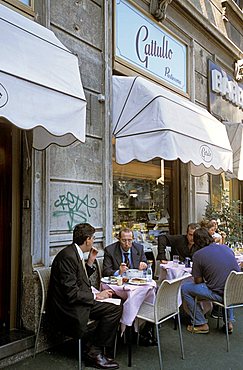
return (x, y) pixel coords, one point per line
(216, 314)
(100, 361)
(147, 341)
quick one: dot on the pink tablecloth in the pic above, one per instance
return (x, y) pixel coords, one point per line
(134, 296)
(169, 271)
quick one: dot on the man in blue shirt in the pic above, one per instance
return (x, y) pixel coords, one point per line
(212, 264)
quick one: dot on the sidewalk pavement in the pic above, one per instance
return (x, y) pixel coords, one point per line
(202, 351)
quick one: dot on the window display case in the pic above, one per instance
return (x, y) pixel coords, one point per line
(141, 202)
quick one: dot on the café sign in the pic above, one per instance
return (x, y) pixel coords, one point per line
(225, 86)
(145, 45)
(225, 94)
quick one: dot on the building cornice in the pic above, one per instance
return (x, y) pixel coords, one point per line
(232, 6)
(237, 53)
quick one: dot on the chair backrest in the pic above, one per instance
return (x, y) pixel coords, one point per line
(154, 249)
(233, 291)
(99, 262)
(44, 277)
(167, 298)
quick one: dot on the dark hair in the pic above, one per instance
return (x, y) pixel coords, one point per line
(210, 224)
(202, 238)
(125, 230)
(192, 226)
(81, 232)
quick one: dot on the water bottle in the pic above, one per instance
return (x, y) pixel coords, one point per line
(187, 262)
(149, 273)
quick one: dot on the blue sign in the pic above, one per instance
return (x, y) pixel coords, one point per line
(225, 94)
(143, 43)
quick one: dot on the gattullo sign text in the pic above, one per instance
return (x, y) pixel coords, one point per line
(144, 44)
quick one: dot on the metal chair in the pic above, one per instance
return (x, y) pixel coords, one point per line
(233, 298)
(154, 249)
(99, 262)
(44, 277)
(166, 306)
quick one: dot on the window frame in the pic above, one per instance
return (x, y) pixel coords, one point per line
(29, 9)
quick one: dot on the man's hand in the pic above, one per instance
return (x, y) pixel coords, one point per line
(142, 266)
(123, 268)
(163, 261)
(104, 294)
(92, 256)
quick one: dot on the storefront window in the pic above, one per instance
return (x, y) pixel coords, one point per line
(141, 197)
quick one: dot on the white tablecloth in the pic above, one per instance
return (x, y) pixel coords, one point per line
(134, 296)
(169, 271)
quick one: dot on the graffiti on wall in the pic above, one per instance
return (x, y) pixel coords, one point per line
(76, 209)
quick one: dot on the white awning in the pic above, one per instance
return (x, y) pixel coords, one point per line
(150, 121)
(235, 133)
(40, 83)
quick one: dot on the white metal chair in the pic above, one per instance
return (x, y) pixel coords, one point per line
(166, 306)
(44, 277)
(99, 262)
(154, 249)
(233, 298)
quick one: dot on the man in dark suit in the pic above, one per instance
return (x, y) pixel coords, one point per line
(119, 257)
(123, 254)
(182, 245)
(71, 302)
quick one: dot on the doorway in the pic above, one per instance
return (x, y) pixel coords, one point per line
(5, 222)
(10, 221)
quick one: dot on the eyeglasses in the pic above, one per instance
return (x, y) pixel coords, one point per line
(126, 240)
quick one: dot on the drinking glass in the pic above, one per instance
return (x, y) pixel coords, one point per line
(175, 260)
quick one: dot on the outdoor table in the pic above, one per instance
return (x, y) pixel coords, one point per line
(170, 271)
(134, 296)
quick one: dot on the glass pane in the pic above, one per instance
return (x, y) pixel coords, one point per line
(141, 200)
(26, 2)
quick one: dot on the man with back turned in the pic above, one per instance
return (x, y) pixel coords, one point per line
(71, 301)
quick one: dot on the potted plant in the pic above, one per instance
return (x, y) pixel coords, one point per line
(230, 220)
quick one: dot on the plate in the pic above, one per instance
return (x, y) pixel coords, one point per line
(107, 280)
(137, 281)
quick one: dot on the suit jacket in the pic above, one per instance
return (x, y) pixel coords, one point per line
(178, 244)
(70, 297)
(113, 257)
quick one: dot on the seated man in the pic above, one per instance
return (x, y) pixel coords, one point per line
(182, 245)
(119, 257)
(123, 254)
(212, 264)
(71, 302)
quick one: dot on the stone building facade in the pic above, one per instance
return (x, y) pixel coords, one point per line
(53, 189)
